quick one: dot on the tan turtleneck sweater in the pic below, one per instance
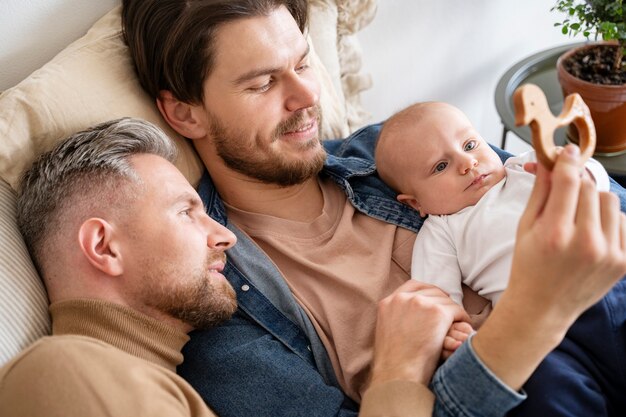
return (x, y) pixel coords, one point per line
(103, 359)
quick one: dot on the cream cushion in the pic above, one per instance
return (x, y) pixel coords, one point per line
(333, 25)
(89, 82)
(92, 81)
(24, 312)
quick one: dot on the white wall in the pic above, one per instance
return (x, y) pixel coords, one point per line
(34, 31)
(454, 51)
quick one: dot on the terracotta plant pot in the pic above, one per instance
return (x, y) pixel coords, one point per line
(607, 104)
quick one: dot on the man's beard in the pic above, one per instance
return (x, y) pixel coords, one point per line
(199, 301)
(270, 166)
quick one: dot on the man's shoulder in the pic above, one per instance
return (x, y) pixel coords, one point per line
(90, 377)
(360, 144)
(56, 354)
(52, 345)
(43, 373)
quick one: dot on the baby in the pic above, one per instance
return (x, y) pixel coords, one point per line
(437, 162)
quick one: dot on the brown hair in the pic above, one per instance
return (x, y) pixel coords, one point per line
(172, 41)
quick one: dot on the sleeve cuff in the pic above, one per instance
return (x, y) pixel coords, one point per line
(599, 174)
(397, 399)
(464, 386)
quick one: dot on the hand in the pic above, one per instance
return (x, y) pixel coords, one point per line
(531, 167)
(570, 247)
(412, 323)
(570, 250)
(457, 334)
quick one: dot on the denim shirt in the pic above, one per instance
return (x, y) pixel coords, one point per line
(268, 360)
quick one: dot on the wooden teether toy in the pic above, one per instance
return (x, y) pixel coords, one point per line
(531, 107)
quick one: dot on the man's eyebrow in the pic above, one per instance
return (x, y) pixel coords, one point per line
(189, 198)
(259, 72)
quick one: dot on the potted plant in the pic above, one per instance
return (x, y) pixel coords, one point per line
(597, 71)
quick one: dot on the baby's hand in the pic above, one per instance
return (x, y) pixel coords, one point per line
(458, 333)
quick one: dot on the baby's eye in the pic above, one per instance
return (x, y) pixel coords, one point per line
(470, 145)
(441, 166)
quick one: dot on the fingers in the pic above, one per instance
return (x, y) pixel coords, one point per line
(451, 344)
(457, 334)
(599, 219)
(614, 228)
(410, 329)
(439, 299)
(588, 210)
(562, 202)
(611, 218)
(531, 167)
(538, 196)
(463, 328)
(449, 347)
(623, 232)
(435, 296)
(412, 286)
(459, 313)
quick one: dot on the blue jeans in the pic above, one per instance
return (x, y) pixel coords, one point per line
(586, 374)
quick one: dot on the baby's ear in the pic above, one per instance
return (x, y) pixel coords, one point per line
(410, 201)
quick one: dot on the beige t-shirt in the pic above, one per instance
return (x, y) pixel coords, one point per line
(338, 267)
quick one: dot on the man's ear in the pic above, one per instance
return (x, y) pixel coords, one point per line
(410, 201)
(183, 117)
(101, 249)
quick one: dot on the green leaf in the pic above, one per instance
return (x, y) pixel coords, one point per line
(603, 18)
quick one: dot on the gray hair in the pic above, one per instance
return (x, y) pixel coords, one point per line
(83, 176)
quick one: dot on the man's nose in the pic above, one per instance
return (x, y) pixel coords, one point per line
(219, 237)
(302, 92)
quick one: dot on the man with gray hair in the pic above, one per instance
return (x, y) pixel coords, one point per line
(131, 262)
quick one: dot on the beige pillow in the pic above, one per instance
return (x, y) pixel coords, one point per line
(92, 81)
(333, 26)
(23, 303)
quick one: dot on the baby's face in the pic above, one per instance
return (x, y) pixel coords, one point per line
(454, 166)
